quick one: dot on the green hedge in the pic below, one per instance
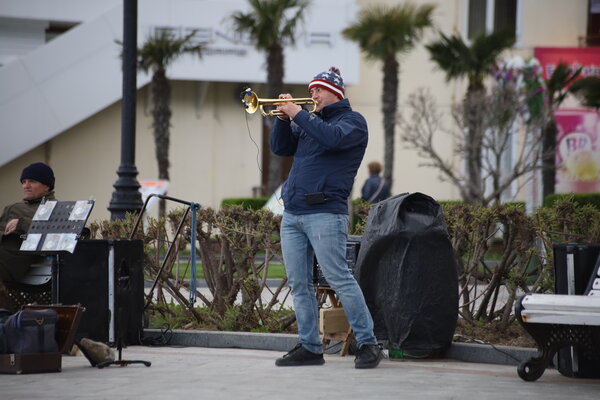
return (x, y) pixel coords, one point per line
(452, 203)
(449, 203)
(579, 199)
(518, 204)
(248, 203)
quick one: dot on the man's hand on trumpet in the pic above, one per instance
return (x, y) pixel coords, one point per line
(289, 108)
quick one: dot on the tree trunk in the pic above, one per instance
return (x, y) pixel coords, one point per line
(389, 108)
(474, 142)
(161, 114)
(549, 158)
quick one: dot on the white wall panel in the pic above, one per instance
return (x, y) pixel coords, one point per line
(79, 73)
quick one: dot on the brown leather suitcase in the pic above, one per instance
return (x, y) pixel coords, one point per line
(28, 363)
(68, 321)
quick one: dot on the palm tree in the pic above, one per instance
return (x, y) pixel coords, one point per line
(587, 90)
(157, 53)
(475, 62)
(270, 25)
(556, 92)
(383, 32)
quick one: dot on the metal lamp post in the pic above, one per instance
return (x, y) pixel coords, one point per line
(126, 197)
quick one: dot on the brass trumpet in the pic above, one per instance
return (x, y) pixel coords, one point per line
(252, 103)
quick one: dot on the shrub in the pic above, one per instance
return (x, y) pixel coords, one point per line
(472, 230)
(519, 204)
(580, 199)
(501, 253)
(449, 203)
(248, 203)
(228, 243)
(568, 221)
(360, 212)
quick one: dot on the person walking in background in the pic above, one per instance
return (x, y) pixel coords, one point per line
(328, 147)
(375, 188)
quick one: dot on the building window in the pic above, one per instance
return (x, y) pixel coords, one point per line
(487, 16)
(593, 31)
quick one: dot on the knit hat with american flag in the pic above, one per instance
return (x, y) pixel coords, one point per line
(330, 80)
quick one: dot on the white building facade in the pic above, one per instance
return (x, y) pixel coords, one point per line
(60, 89)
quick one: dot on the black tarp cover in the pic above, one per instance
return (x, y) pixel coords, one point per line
(407, 271)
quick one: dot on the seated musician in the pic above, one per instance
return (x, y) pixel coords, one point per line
(37, 181)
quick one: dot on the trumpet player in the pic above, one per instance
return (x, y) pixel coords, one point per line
(328, 147)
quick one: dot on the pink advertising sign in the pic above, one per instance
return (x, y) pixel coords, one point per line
(578, 151)
(575, 57)
(578, 140)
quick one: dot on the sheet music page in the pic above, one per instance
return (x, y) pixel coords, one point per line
(31, 242)
(44, 211)
(80, 211)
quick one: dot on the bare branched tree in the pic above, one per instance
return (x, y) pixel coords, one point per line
(474, 61)
(500, 118)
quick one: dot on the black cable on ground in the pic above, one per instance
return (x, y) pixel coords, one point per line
(334, 348)
(489, 344)
(163, 338)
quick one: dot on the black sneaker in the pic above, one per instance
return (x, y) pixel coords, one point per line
(300, 356)
(368, 356)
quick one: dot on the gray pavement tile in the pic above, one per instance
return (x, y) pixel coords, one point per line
(226, 373)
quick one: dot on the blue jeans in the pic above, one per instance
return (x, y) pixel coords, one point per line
(303, 236)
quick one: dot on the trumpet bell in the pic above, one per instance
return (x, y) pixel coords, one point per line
(252, 103)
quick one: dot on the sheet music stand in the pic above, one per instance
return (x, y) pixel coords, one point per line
(55, 229)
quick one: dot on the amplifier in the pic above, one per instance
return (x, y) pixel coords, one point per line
(106, 277)
(574, 266)
(352, 249)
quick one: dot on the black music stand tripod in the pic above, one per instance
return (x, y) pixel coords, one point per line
(122, 288)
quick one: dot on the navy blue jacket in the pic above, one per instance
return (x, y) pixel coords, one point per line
(370, 188)
(328, 148)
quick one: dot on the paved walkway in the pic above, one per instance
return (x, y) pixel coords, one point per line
(225, 373)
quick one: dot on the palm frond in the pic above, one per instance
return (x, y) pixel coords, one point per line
(487, 48)
(457, 59)
(587, 90)
(162, 48)
(270, 22)
(452, 55)
(559, 81)
(383, 30)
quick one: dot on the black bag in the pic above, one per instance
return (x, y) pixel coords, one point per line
(31, 331)
(4, 314)
(407, 271)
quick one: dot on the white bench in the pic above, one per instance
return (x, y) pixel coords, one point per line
(557, 321)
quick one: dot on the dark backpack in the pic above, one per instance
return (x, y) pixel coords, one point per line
(4, 314)
(29, 331)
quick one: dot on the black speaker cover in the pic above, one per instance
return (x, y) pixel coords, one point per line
(406, 268)
(102, 275)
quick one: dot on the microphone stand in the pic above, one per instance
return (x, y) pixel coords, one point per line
(122, 288)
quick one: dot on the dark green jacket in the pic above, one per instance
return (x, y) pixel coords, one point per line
(24, 212)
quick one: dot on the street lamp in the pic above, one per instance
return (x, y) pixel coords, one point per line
(127, 197)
